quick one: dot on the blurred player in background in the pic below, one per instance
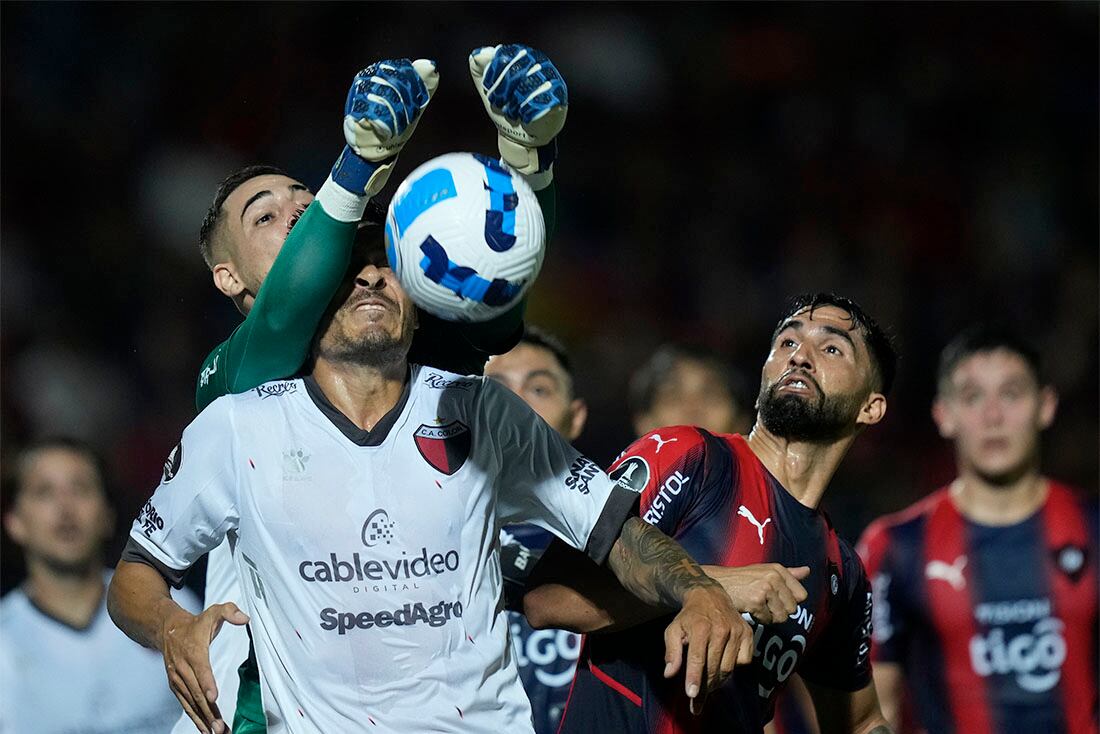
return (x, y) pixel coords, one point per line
(64, 667)
(689, 386)
(340, 647)
(734, 500)
(539, 370)
(300, 277)
(985, 591)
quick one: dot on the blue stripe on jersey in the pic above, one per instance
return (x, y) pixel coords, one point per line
(1016, 645)
(920, 646)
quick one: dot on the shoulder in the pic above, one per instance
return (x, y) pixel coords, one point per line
(15, 612)
(210, 383)
(667, 446)
(895, 523)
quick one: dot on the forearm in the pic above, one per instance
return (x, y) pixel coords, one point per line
(654, 567)
(140, 604)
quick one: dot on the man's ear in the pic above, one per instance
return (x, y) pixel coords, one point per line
(579, 414)
(945, 422)
(13, 523)
(1048, 406)
(873, 410)
(227, 280)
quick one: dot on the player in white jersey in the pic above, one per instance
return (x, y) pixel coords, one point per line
(63, 666)
(364, 503)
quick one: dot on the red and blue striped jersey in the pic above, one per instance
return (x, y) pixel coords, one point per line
(716, 499)
(995, 627)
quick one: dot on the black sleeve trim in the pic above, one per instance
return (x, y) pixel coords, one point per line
(621, 504)
(516, 563)
(135, 553)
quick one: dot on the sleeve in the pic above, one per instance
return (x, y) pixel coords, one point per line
(877, 552)
(543, 480)
(274, 339)
(667, 466)
(841, 659)
(195, 504)
(516, 563)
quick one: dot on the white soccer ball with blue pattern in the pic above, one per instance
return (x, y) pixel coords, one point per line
(465, 236)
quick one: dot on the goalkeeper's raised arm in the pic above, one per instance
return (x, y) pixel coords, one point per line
(283, 289)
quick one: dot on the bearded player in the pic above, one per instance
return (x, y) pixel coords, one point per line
(257, 208)
(985, 591)
(731, 500)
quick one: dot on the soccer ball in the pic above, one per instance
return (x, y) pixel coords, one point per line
(465, 236)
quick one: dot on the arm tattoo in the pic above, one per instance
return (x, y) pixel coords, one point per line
(653, 566)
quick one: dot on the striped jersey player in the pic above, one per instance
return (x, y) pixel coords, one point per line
(733, 501)
(995, 627)
(718, 500)
(985, 591)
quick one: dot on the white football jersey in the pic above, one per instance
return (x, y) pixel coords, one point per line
(56, 679)
(230, 648)
(369, 560)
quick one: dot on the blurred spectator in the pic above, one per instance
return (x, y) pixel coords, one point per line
(64, 666)
(685, 385)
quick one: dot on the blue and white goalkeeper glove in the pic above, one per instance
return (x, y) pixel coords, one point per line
(383, 106)
(527, 100)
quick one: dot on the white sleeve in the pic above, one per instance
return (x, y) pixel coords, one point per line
(545, 481)
(196, 502)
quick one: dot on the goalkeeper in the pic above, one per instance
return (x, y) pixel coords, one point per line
(262, 231)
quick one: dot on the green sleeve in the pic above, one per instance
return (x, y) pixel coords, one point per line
(274, 340)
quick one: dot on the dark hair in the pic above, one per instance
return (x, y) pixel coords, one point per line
(66, 443)
(539, 337)
(225, 188)
(883, 354)
(983, 338)
(647, 379)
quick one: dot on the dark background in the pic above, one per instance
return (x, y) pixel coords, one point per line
(937, 162)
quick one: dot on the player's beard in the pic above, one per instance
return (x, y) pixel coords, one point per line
(370, 348)
(819, 418)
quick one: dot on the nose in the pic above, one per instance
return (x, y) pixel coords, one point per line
(371, 277)
(802, 358)
(992, 412)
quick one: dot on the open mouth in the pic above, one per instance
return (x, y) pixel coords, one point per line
(797, 383)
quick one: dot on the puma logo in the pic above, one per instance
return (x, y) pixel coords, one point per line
(747, 514)
(661, 442)
(952, 572)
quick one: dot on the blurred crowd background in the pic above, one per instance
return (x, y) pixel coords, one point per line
(937, 162)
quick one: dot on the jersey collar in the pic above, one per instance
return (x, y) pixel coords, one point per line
(352, 432)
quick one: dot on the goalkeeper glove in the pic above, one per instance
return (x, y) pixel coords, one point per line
(383, 106)
(527, 100)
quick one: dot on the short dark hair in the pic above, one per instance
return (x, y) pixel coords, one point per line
(225, 188)
(538, 337)
(982, 338)
(65, 443)
(647, 379)
(884, 355)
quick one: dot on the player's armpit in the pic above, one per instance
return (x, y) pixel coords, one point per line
(848, 712)
(567, 590)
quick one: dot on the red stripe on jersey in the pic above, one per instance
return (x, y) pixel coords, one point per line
(751, 493)
(615, 685)
(951, 614)
(1075, 603)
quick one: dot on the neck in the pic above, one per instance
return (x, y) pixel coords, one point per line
(73, 598)
(804, 468)
(363, 393)
(990, 503)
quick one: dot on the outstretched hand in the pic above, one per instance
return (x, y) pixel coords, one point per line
(185, 643)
